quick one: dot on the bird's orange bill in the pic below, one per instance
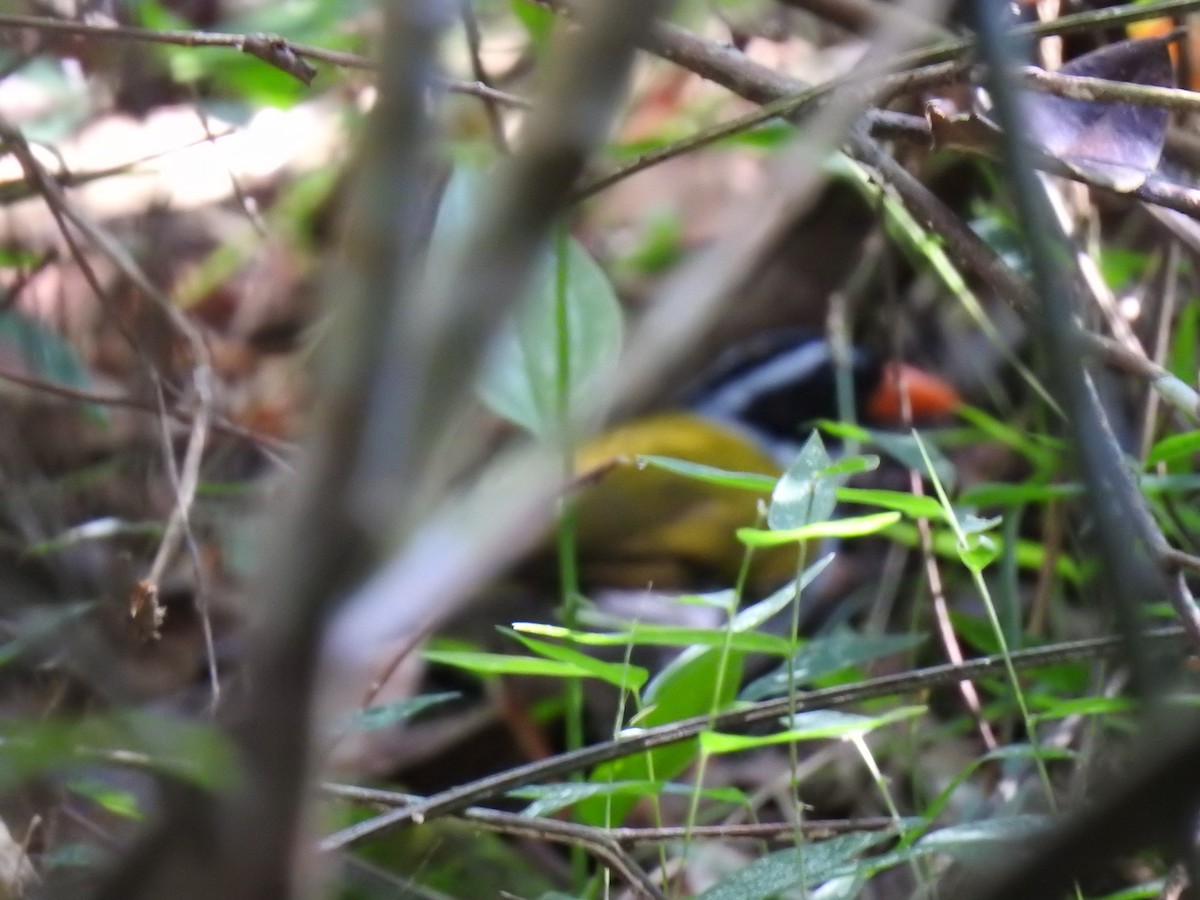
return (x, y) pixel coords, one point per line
(929, 397)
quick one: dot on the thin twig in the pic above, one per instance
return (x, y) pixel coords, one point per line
(873, 89)
(272, 49)
(145, 592)
(80, 395)
(1103, 90)
(597, 841)
(474, 41)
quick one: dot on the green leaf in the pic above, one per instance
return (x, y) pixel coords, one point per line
(549, 799)
(805, 494)
(758, 614)
(1086, 706)
(619, 675)
(673, 694)
(511, 664)
(1185, 338)
(979, 552)
(857, 526)
(45, 355)
(1028, 751)
(521, 380)
(747, 481)
(189, 751)
(912, 505)
(641, 634)
(1173, 447)
(904, 449)
(116, 800)
(813, 725)
(826, 656)
(1040, 454)
(538, 20)
(785, 869)
(374, 718)
(1027, 553)
(973, 839)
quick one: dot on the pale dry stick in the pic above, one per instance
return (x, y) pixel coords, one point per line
(1167, 287)
(1180, 395)
(1179, 560)
(1052, 540)
(184, 484)
(1104, 90)
(202, 377)
(941, 609)
(941, 615)
(273, 50)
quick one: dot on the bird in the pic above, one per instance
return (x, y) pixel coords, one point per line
(639, 527)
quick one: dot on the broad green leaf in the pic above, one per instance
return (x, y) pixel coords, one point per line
(780, 871)
(538, 20)
(972, 839)
(758, 614)
(1173, 447)
(805, 494)
(904, 449)
(521, 380)
(827, 655)
(44, 354)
